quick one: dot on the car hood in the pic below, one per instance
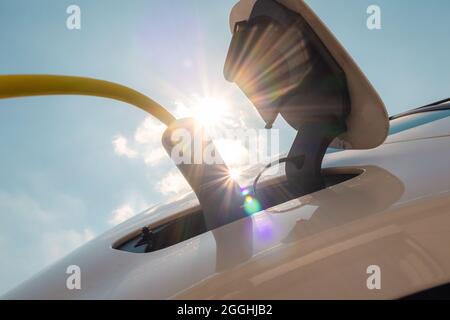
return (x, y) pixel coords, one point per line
(394, 215)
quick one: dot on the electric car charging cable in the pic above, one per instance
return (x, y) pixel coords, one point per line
(13, 86)
(207, 183)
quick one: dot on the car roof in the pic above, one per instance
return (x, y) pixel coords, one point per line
(435, 106)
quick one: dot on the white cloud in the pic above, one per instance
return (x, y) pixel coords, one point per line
(154, 157)
(120, 144)
(134, 203)
(150, 131)
(146, 144)
(173, 184)
(121, 214)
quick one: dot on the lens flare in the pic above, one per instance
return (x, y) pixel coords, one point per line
(264, 227)
(252, 205)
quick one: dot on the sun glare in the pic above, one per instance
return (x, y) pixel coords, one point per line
(234, 174)
(214, 113)
(210, 111)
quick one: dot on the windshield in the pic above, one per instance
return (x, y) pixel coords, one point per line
(411, 121)
(416, 120)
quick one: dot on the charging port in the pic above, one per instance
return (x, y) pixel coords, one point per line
(271, 193)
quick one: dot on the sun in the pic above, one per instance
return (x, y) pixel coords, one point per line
(234, 174)
(215, 114)
(211, 112)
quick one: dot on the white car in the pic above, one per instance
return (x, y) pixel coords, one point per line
(392, 213)
(376, 226)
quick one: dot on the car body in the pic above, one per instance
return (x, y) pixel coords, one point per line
(394, 214)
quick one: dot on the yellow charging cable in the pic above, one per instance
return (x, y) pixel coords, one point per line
(12, 86)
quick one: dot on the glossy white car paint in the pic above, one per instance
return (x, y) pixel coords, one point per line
(396, 215)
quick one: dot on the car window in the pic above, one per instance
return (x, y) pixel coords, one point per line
(416, 120)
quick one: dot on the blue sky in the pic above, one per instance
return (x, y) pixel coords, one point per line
(72, 167)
